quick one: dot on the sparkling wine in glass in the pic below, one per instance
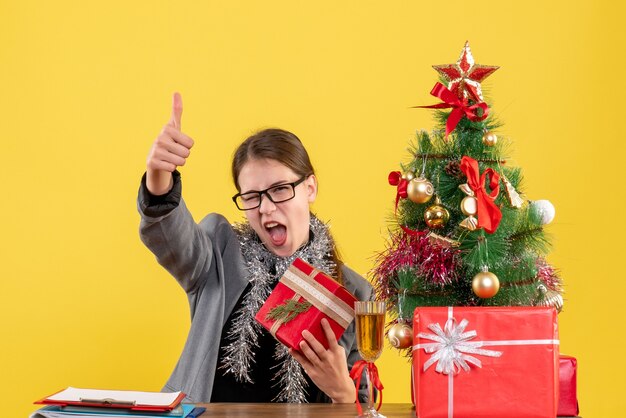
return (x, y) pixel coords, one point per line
(370, 339)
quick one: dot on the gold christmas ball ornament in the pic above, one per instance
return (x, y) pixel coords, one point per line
(400, 336)
(420, 190)
(469, 206)
(408, 176)
(490, 139)
(436, 216)
(485, 284)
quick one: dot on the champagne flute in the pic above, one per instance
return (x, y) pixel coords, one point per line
(370, 333)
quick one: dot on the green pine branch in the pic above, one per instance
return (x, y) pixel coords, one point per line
(288, 310)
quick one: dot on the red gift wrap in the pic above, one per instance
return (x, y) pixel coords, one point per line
(490, 362)
(568, 401)
(303, 296)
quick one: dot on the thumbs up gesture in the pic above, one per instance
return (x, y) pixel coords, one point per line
(169, 151)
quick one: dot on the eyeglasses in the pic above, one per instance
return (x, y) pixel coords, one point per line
(276, 194)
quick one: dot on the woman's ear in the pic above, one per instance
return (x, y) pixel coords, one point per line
(311, 188)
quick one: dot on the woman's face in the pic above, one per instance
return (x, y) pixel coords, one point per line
(282, 227)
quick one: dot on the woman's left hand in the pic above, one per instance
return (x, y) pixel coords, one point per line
(327, 368)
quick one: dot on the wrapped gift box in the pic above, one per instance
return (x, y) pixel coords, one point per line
(485, 362)
(568, 401)
(302, 297)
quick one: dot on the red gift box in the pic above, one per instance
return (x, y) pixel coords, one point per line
(568, 402)
(302, 297)
(485, 362)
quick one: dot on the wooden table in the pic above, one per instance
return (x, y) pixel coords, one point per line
(278, 410)
(318, 410)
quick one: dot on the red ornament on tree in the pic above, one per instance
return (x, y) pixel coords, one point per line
(464, 77)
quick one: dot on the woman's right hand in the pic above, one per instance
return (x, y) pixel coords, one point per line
(169, 151)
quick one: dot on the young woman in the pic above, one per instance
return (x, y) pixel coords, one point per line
(229, 270)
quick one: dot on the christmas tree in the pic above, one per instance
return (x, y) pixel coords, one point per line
(462, 232)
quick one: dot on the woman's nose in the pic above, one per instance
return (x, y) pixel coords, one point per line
(267, 206)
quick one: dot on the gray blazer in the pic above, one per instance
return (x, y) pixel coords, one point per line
(206, 261)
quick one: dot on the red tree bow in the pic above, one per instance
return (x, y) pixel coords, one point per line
(460, 107)
(489, 214)
(357, 372)
(395, 179)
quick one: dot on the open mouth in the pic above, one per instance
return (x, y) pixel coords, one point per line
(277, 233)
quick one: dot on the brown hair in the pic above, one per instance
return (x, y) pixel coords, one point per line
(286, 148)
(273, 144)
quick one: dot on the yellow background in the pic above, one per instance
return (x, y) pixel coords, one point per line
(85, 87)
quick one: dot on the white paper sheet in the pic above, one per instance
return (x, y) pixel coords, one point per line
(140, 398)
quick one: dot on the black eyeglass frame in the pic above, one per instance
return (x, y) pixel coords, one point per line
(260, 193)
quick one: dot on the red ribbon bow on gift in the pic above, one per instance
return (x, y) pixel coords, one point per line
(395, 179)
(489, 214)
(460, 107)
(357, 372)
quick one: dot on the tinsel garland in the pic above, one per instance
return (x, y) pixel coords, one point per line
(437, 264)
(264, 269)
(548, 275)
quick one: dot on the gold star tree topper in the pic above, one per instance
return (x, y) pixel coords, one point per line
(464, 77)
